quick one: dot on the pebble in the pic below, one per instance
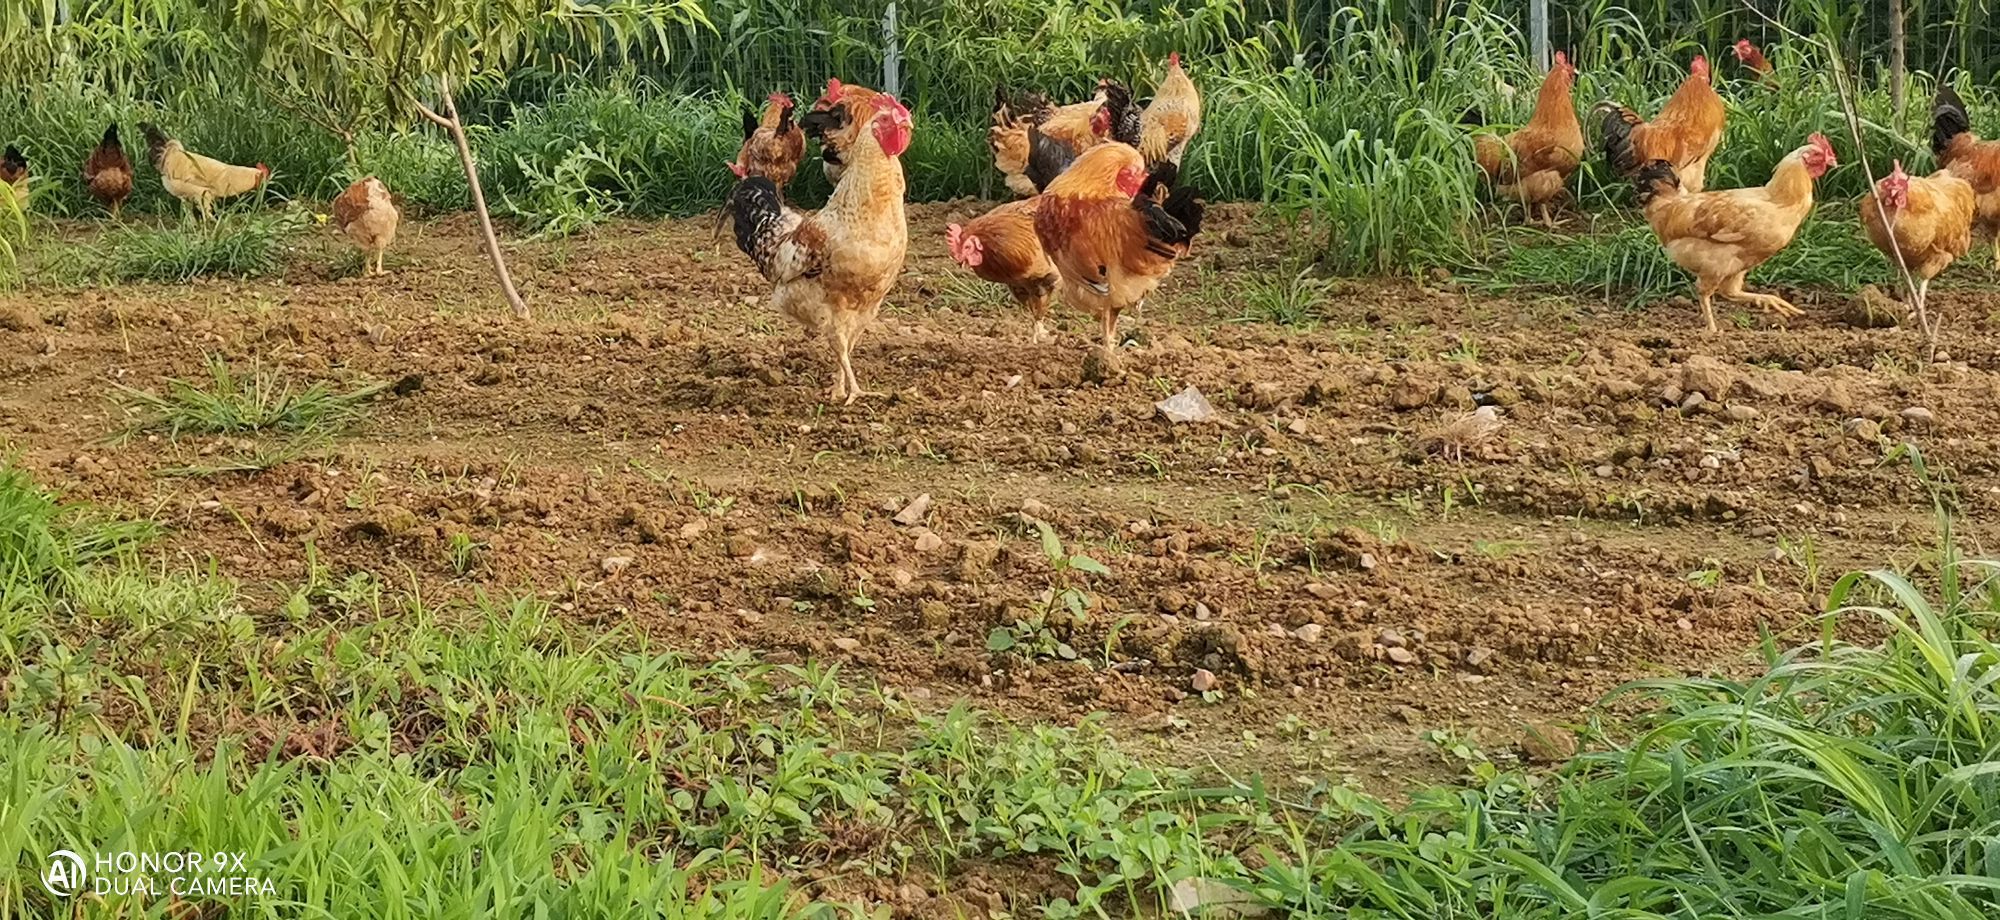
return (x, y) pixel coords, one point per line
(1865, 430)
(1542, 743)
(914, 512)
(1684, 624)
(1401, 655)
(1918, 415)
(1711, 462)
(1201, 611)
(1479, 655)
(1204, 680)
(1605, 471)
(928, 542)
(1367, 562)
(847, 643)
(1740, 413)
(1309, 633)
(1392, 639)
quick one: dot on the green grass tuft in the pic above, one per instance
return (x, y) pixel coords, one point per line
(231, 403)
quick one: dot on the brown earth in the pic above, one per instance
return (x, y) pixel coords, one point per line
(652, 450)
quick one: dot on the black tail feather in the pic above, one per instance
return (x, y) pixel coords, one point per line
(1124, 114)
(1948, 121)
(1047, 158)
(13, 159)
(1618, 150)
(1647, 182)
(749, 122)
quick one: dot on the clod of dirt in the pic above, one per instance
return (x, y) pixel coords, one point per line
(1869, 308)
(612, 565)
(1918, 415)
(18, 319)
(1264, 396)
(1542, 743)
(913, 513)
(1409, 394)
(1204, 680)
(847, 643)
(408, 384)
(1835, 398)
(928, 541)
(1186, 407)
(1865, 430)
(1210, 899)
(1096, 369)
(388, 521)
(1707, 376)
(1465, 433)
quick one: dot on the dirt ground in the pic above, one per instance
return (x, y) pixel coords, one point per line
(652, 450)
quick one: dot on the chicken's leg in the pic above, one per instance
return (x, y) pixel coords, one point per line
(1733, 289)
(1109, 319)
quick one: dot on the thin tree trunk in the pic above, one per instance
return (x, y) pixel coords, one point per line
(1897, 70)
(449, 121)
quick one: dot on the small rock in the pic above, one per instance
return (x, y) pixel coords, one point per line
(1410, 394)
(1309, 633)
(847, 643)
(1835, 398)
(1684, 624)
(1187, 406)
(1820, 468)
(1366, 561)
(1204, 680)
(914, 512)
(1711, 462)
(1707, 376)
(692, 529)
(1543, 743)
(1740, 413)
(1201, 611)
(929, 542)
(1392, 639)
(612, 565)
(1401, 655)
(1692, 402)
(1322, 591)
(1605, 470)
(1918, 415)
(1865, 430)
(1478, 656)
(742, 546)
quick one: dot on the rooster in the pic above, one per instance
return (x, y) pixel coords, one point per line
(198, 180)
(1533, 164)
(14, 176)
(1111, 239)
(1964, 155)
(107, 172)
(1001, 246)
(831, 268)
(1685, 133)
(367, 215)
(1721, 235)
(1920, 224)
(1753, 58)
(1171, 120)
(772, 146)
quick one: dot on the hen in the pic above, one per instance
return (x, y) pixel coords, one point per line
(198, 180)
(1171, 120)
(1754, 60)
(1919, 224)
(14, 175)
(107, 172)
(772, 146)
(1533, 164)
(831, 268)
(1001, 246)
(1719, 236)
(1685, 133)
(367, 215)
(1110, 238)
(1964, 155)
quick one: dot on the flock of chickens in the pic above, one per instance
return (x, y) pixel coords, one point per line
(364, 212)
(1102, 219)
(1921, 224)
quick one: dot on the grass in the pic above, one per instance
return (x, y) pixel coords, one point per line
(372, 755)
(232, 403)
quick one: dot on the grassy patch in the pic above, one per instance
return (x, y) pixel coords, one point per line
(368, 752)
(231, 403)
(249, 245)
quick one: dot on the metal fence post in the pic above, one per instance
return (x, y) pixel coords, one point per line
(1538, 33)
(892, 53)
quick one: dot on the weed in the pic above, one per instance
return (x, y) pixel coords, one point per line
(229, 403)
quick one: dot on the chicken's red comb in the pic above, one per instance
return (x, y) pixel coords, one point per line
(1173, 59)
(1897, 172)
(779, 98)
(1819, 140)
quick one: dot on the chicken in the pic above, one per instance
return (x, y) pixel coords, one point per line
(1685, 133)
(1754, 60)
(1920, 224)
(198, 180)
(831, 268)
(1533, 164)
(1001, 246)
(1721, 235)
(107, 172)
(1111, 239)
(1171, 120)
(367, 215)
(1964, 155)
(14, 176)
(1075, 125)
(772, 146)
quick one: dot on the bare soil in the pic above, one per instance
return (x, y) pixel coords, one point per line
(652, 451)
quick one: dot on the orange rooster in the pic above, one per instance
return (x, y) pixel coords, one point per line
(1110, 238)
(1720, 236)
(368, 216)
(198, 180)
(1685, 133)
(1171, 120)
(1964, 155)
(1533, 164)
(1029, 158)
(1001, 246)
(1753, 58)
(1920, 224)
(831, 268)
(107, 172)
(773, 146)
(14, 176)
